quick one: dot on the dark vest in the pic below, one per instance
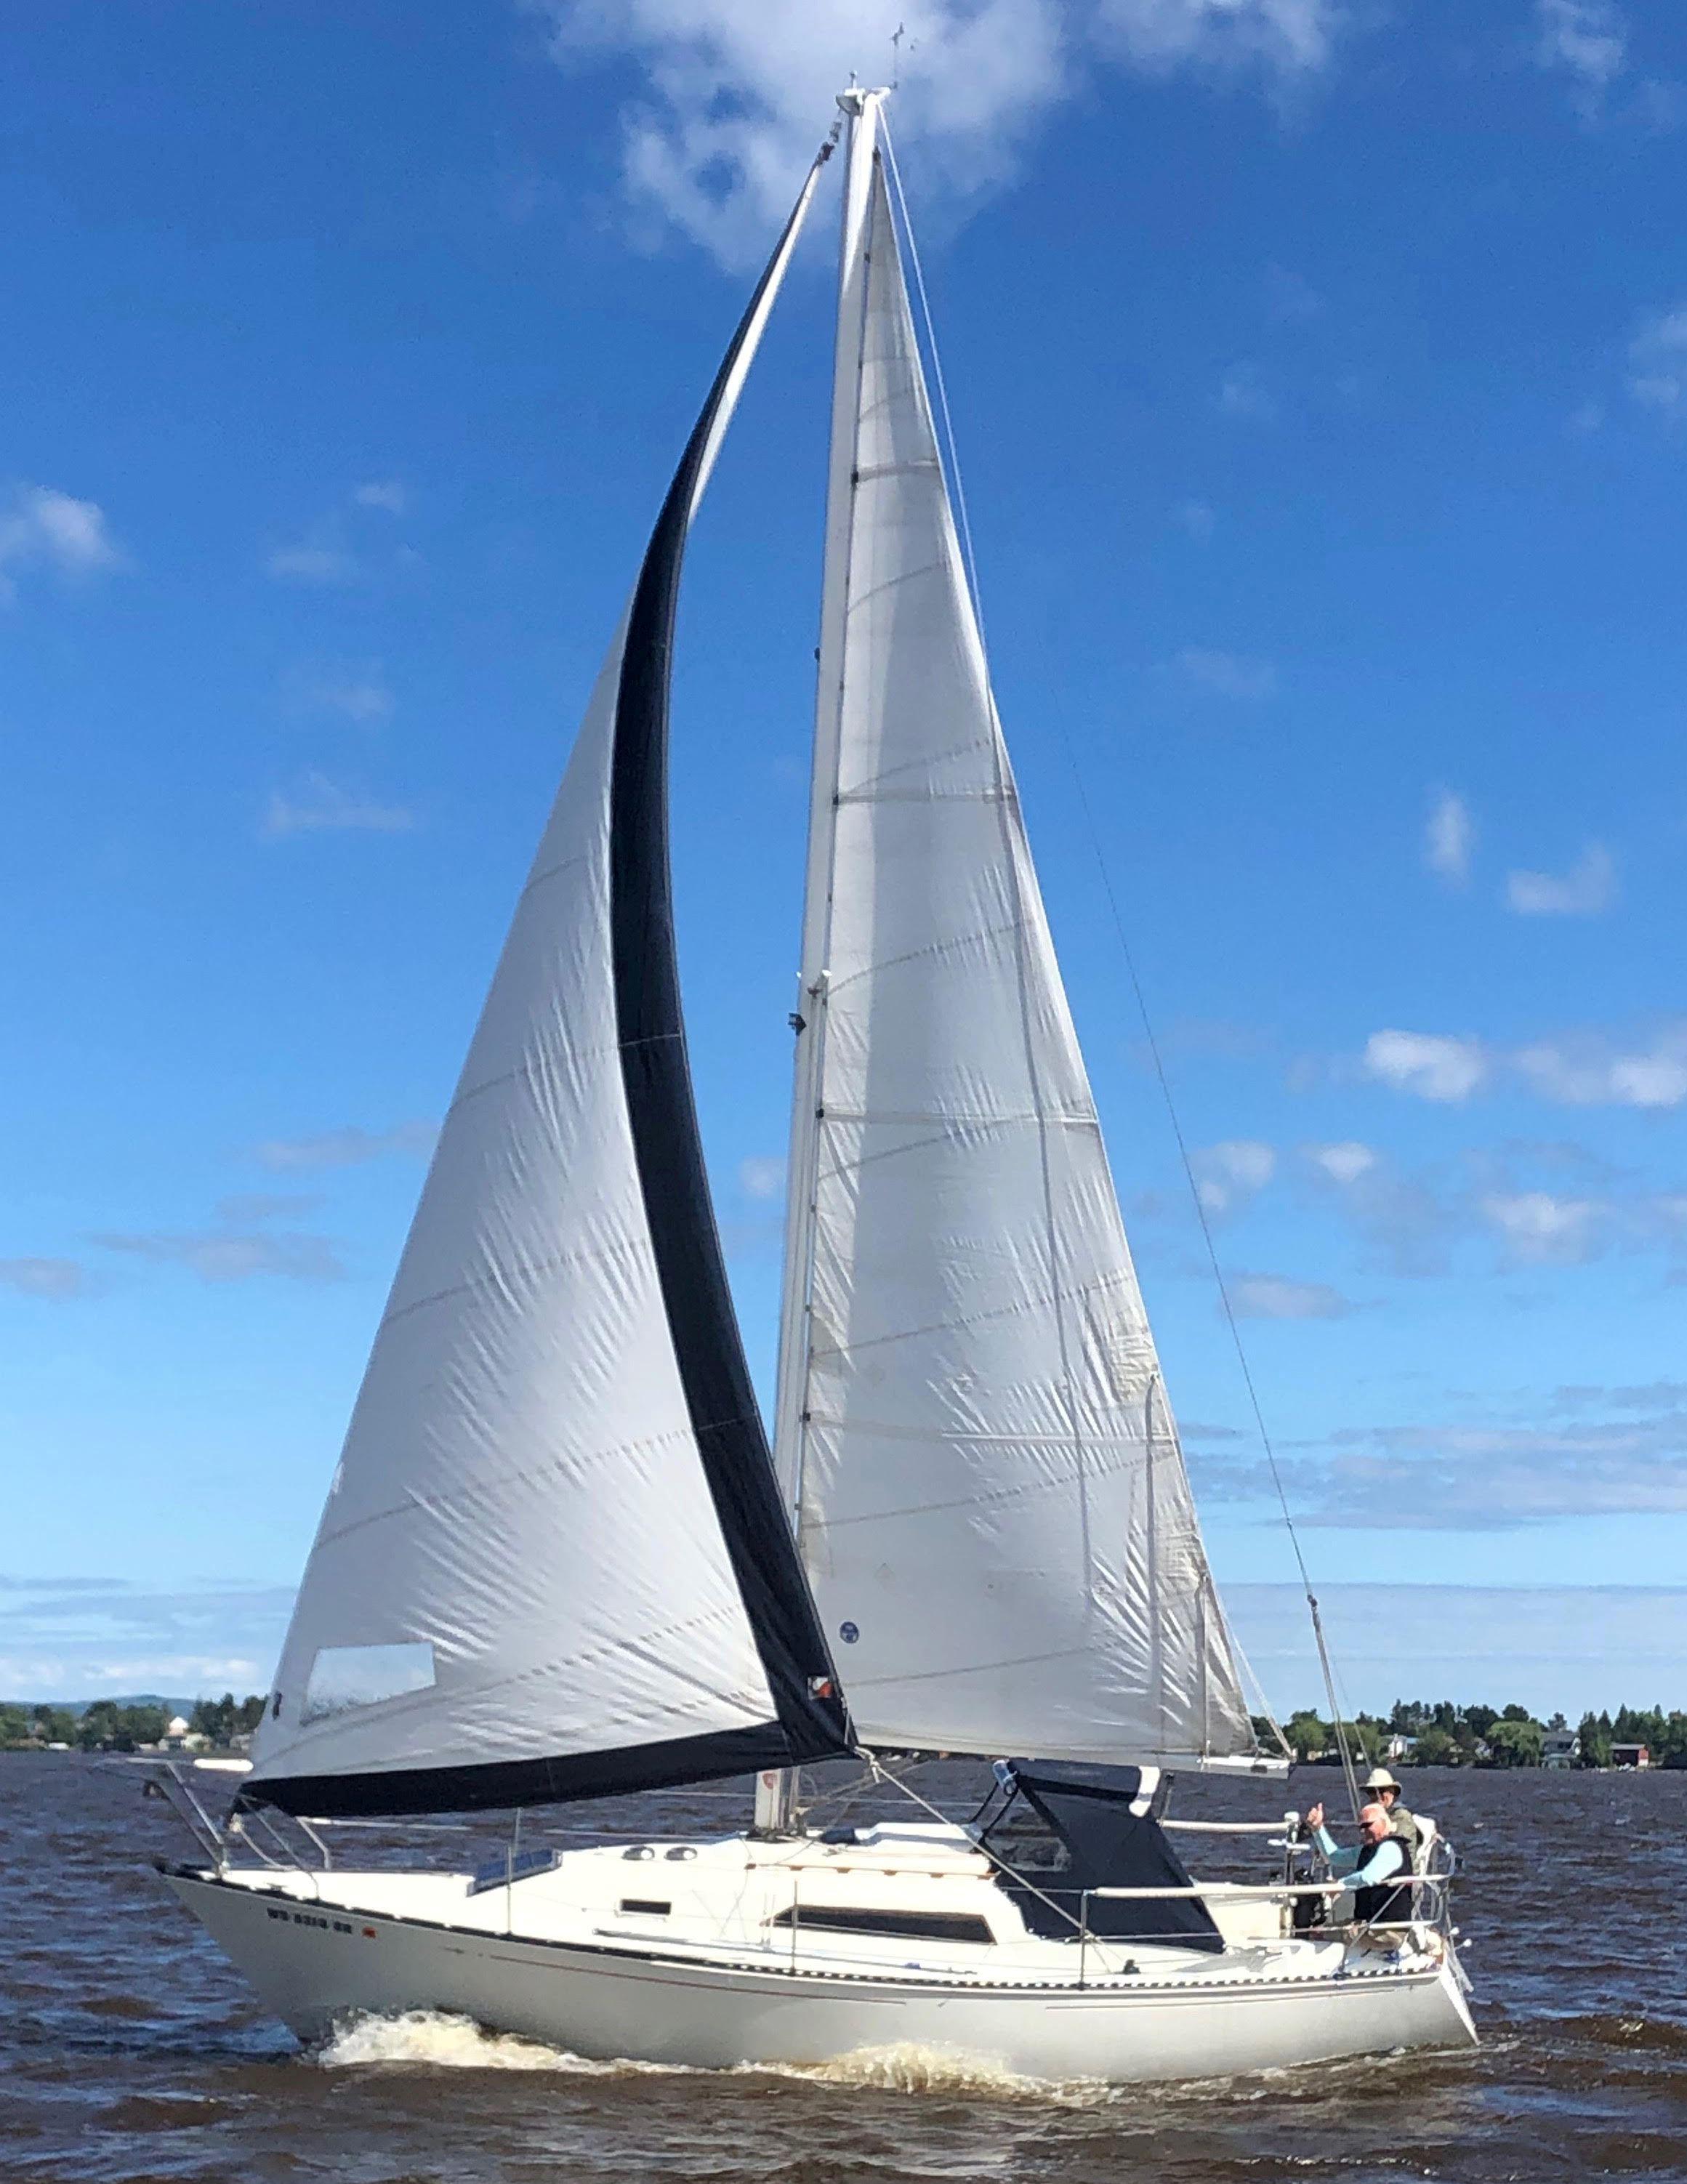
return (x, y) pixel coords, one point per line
(1387, 1899)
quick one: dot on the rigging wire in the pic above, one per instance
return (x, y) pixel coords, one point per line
(964, 526)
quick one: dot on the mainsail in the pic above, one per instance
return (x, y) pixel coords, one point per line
(973, 1435)
(554, 1562)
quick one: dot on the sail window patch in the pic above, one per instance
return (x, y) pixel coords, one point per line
(910, 1926)
(342, 1677)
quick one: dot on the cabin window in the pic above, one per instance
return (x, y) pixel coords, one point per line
(342, 1677)
(910, 1926)
(1024, 1841)
(652, 1907)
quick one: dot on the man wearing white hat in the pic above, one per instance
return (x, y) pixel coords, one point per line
(1385, 1790)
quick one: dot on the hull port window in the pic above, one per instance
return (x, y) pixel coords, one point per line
(652, 1907)
(908, 1925)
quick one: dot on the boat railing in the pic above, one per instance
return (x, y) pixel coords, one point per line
(256, 1827)
(1431, 1907)
(1285, 1826)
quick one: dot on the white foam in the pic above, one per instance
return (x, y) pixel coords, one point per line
(440, 2041)
(433, 2039)
(909, 2067)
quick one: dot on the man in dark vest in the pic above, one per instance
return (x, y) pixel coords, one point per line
(1372, 1872)
(1385, 1790)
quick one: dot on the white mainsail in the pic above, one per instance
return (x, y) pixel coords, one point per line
(973, 1433)
(552, 1562)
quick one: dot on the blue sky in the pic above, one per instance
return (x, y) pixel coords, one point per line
(1319, 375)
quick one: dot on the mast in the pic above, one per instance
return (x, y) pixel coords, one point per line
(775, 1792)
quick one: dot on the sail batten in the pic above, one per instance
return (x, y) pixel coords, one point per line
(555, 1490)
(990, 1495)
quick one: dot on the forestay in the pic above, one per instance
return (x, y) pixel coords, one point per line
(554, 1562)
(992, 1501)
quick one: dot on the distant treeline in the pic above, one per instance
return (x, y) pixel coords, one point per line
(1444, 1735)
(107, 1726)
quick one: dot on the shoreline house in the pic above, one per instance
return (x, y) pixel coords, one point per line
(1630, 1755)
(1560, 1747)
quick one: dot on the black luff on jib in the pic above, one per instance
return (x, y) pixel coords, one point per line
(655, 1072)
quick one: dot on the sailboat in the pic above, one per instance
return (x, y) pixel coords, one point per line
(559, 1560)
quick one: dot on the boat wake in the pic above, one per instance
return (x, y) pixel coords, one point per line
(435, 2040)
(907, 2067)
(432, 2039)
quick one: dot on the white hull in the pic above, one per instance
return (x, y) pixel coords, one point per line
(318, 1962)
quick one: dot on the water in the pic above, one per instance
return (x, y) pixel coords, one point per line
(131, 2051)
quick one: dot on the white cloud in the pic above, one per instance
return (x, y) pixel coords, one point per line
(1542, 1231)
(313, 563)
(1430, 1065)
(248, 1208)
(762, 1176)
(1407, 1224)
(321, 805)
(231, 1256)
(1587, 888)
(40, 526)
(323, 555)
(1289, 296)
(347, 1148)
(1589, 1070)
(74, 1638)
(42, 1277)
(359, 692)
(1288, 37)
(1449, 838)
(1474, 1477)
(1227, 674)
(736, 94)
(1577, 1069)
(1568, 1646)
(1657, 359)
(1194, 518)
(1343, 1163)
(1228, 1175)
(1240, 394)
(1273, 1297)
(739, 93)
(1586, 40)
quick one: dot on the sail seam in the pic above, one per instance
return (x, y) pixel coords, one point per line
(958, 1117)
(1027, 1300)
(864, 598)
(934, 951)
(868, 473)
(972, 1668)
(433, 1502)
(623, 1249)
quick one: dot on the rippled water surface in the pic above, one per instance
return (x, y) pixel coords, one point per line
(129, 2050)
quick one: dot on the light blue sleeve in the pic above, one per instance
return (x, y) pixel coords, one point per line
(1384, 1862)
(1340, 1861)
